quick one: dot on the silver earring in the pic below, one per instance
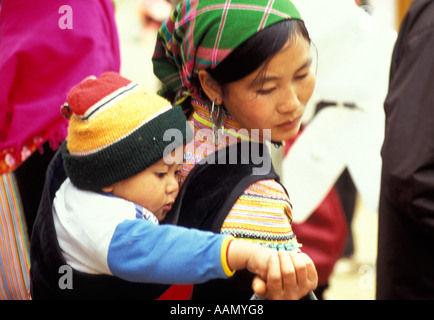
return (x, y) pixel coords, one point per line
(217, 122)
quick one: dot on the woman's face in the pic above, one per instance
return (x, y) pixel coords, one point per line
(275, 95)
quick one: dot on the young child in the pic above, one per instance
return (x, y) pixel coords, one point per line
(100, 216)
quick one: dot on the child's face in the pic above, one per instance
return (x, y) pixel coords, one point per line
(154, 188)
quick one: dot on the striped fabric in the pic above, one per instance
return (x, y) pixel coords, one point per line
(14, 247)
(203, 143)
(201, 33)
(130, 107)
(263, 213)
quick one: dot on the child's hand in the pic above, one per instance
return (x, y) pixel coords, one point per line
(290, 276)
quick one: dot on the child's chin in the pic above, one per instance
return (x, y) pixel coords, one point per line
(162, 216)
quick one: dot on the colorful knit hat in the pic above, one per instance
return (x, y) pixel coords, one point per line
(116, 130)
(201, 33)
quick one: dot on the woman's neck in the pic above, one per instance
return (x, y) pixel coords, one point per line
(231, 131)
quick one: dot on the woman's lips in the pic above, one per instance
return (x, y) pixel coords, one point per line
(289, 124)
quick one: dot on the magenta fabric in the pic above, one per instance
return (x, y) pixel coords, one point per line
(40, 60)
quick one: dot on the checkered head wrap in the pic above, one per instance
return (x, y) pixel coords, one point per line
(201, 33)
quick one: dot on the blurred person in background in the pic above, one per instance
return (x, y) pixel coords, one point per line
(405, 262)
(336, 154)
(39, 44)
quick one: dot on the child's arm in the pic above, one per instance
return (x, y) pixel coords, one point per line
(100, 234)
(281, 274)
(140, 251)
(180, 255)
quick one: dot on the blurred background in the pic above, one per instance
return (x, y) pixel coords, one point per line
(353, 277)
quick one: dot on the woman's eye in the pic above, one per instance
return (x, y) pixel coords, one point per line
(265, 91)
(302, 76)
(160, 174)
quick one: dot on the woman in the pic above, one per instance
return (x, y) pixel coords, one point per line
(242, 71)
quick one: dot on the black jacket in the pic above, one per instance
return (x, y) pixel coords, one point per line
(208, 195)
(405, 263)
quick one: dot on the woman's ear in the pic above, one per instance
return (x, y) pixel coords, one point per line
(212, 88)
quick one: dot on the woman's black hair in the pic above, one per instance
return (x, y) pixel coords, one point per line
(259, 48)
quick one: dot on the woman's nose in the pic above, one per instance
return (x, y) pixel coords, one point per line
(289, 101)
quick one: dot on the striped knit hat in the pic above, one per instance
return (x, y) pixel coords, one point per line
(116, 130)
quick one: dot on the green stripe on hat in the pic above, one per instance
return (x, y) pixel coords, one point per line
(131, 155)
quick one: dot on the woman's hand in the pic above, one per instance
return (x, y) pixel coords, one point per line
(291, 276)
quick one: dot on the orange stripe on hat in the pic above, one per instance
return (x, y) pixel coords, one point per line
(117, 130)
(92, 128)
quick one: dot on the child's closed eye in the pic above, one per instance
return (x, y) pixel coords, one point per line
(160, 174)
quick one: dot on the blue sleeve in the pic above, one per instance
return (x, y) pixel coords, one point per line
(143, 252)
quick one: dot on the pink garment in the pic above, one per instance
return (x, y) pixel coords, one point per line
(46, 47)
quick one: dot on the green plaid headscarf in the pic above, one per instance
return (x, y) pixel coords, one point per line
(201, 33)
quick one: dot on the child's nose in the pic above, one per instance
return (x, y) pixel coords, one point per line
(172, 185)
